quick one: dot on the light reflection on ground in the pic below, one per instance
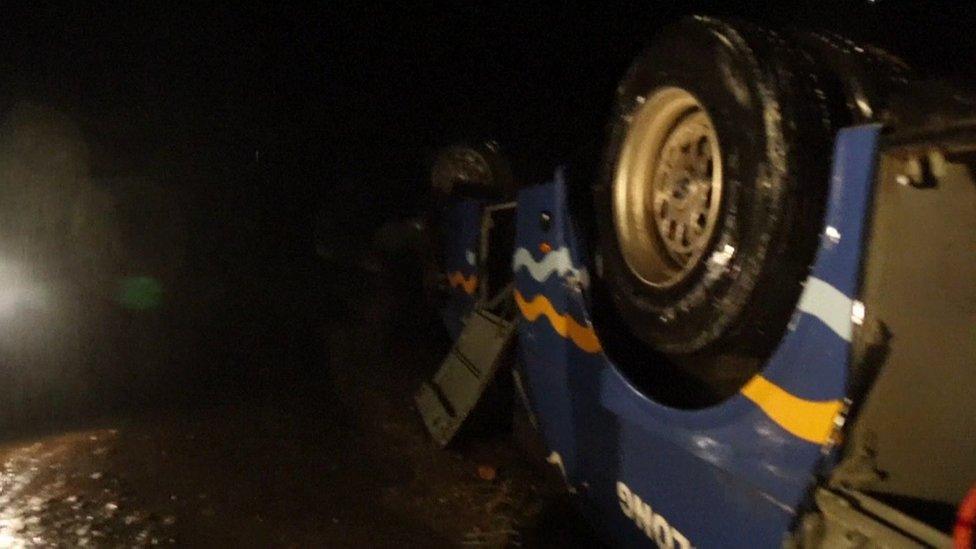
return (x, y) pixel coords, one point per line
(55, 492)
(282, 458)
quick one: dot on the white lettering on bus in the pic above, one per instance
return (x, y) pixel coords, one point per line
(654, 526)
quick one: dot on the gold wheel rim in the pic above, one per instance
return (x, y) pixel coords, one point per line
(667, 187)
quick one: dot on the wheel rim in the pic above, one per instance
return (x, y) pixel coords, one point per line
(667, 187)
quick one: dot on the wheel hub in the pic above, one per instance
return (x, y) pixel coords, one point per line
(668, 188)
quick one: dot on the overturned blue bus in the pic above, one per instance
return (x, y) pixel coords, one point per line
(754, 323)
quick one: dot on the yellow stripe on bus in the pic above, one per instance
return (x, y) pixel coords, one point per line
(565, 325)
(811, 420)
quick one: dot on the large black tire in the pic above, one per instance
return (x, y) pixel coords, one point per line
(774, 124)
(865, 77)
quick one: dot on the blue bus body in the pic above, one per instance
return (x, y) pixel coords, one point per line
(734, 474)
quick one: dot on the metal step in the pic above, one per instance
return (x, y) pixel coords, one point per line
(448, 399)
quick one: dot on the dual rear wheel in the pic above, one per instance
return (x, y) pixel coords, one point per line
(711, 198)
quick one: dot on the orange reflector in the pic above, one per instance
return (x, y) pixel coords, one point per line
(545, 247)
(962, 534)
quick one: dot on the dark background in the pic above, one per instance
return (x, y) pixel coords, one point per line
(363, 91)
(216, 147)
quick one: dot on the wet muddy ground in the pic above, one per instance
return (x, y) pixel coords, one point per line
(284, 458)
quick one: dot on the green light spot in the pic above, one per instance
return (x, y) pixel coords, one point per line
(140, 293)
